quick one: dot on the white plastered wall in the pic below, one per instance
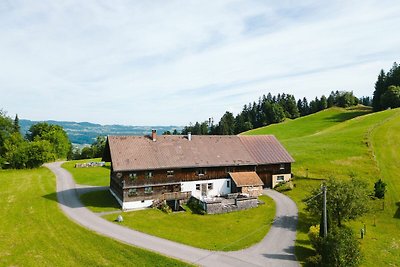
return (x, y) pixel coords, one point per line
(286, 177)
(220, 187)
(133, 204)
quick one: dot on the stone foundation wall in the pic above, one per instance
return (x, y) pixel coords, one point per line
(238, 204)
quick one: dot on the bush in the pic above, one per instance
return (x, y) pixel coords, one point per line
(195, 206)
(284, 186)
(165, 208)
(314, 260)
(380, 189)
(313, 235)
(339, 248)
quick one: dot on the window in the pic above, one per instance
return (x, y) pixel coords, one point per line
(280, 178)
(148, 190)
(282, 166)
(132, 192)
(149, 175)
(201, 172)
(170, 173)
(228, 183)
(198, 187)
(133, 176)
(210, 186)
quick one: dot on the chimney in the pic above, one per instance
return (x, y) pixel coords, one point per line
(154, 135)
(189, 136)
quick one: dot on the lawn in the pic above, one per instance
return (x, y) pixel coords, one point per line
(342, 150)
(98, 176)
(34, 232)
(230, 231)
(100, 201)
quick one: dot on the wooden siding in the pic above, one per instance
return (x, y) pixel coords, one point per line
(124, 183)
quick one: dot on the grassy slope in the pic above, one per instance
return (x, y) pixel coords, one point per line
(230, 231)
(342, 150)
(34, 232)
(99, 176)
(314, 123)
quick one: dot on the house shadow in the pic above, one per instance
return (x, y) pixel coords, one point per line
(397, 214)
(84, 197)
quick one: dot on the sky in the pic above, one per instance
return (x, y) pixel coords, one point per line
(176, 62)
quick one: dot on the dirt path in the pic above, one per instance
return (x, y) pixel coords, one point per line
(276, 249)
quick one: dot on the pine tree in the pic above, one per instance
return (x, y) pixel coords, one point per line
(17, 127)
(379, 91)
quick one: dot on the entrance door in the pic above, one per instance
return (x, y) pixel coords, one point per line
(204, 190)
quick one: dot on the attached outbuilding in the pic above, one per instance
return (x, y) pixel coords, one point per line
(246, 183)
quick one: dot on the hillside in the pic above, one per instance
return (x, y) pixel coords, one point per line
(324, 147)
(310, 124)
(85, 132)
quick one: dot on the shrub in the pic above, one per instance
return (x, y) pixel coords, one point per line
(313, 235)
(284, 186)
(380, 189)
(195, 206)
(165, 208)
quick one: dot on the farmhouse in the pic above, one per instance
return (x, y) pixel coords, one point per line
(149, 169)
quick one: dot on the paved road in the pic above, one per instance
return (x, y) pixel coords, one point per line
(276, 249)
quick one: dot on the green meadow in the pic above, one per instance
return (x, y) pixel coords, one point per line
(348, 143)
(229, 231)
(34, 231)
(97, 176)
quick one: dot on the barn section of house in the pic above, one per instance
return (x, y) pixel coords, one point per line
(146, 169)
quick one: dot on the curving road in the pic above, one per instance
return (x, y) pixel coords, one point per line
(276, 249)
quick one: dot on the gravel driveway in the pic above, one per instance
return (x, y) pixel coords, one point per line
(276, 249)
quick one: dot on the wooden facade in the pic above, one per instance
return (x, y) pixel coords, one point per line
(153, 184)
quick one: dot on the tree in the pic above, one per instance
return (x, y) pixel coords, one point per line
(380, 189)
(226, 125)
(17, 127)
(331, 100)
(346, 200)
(380, 85)
(339, 248)
(391, 98)
(55, 134)
(323, 103)
(6, 129)
(98, 146)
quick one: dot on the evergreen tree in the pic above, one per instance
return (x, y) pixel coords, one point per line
(17, 127)
(323, 103)
(331, 100)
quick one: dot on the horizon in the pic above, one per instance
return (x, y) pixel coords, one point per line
(159, 64)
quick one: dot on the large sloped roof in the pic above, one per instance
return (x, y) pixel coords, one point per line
(176, 151)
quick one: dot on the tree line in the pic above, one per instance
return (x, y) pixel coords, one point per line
(387, 89)
(42, 143)
(271, 109)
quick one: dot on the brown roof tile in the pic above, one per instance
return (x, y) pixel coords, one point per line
(265, 149)
(246, 179)
(176, 151)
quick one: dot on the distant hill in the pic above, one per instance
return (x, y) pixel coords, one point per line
(85, 132)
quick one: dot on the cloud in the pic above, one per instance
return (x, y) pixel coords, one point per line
(165, 63)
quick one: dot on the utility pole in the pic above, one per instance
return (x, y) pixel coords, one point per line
(324, 212)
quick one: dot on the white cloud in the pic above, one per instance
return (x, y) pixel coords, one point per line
(173, 62)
